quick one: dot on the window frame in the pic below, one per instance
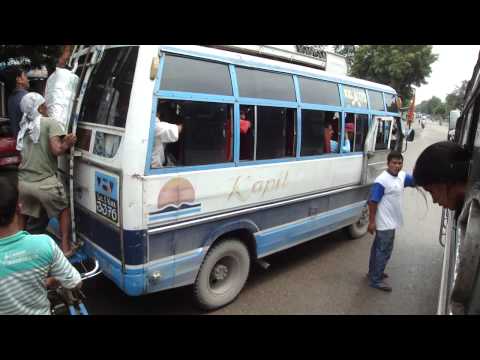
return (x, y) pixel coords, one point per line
(247, 98)
(238, 101)
(187, 93)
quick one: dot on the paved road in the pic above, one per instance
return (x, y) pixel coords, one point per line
(325, 275)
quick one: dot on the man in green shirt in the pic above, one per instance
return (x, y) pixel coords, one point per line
(27, 261)
(41, 139)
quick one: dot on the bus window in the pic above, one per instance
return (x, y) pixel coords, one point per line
(275, 132)
(205, 136)
(356, 126)
(391, 101)
(319, 92)
(318, 127)
(106, 145)
(107, 95)
(355, 97)
(192, 75)
(376, 100)
(383, 133)
(265, 85)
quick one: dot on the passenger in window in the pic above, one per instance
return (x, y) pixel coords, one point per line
(331, 132)
(349, 134)
(245, 124)
(327, 137)
(164, 133)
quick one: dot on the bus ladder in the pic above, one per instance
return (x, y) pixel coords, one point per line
(84, 77)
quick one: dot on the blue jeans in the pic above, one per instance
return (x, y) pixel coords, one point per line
(380, 253)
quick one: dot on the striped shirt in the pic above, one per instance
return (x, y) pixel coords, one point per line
(25, 263)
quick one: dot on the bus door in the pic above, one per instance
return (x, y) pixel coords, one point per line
(101, 115)
(377, 147)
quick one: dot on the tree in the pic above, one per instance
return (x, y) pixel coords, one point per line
(30, 56)
(455, 99)
(399, 66)
(440, 110)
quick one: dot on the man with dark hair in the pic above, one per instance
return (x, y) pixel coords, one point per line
(18, 84)
(385, 215)
(27, 261)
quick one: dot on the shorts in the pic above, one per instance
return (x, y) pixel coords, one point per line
(48, 193)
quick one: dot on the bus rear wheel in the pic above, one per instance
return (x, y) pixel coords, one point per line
(360, 228)
(222, 275)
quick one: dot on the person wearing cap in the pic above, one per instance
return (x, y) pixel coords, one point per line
(41, 139)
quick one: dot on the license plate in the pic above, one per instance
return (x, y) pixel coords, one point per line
(106, 195)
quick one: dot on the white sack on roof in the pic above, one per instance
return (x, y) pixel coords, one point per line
(60, 93)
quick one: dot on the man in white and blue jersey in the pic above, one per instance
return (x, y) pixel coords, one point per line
(26, 261)
(385, 206)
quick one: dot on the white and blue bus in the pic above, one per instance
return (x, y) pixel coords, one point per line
(229, 195)
(459, 230)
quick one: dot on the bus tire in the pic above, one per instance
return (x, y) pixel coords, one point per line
(222, 274)
(360, 227)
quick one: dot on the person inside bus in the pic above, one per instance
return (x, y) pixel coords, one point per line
(30, 263)
(349, 135)
(164, 133)
(41, 140)
(327, 137)
(245, 124)
(442, 170)
(18, 84)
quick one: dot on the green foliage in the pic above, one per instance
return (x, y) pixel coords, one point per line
(455, 99)
(30, 56)
(398, 66)
(429, 106)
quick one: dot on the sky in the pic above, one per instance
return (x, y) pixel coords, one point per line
(454, 64)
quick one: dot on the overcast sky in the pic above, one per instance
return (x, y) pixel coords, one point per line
(455, 64)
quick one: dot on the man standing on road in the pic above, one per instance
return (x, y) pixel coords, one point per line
(18, 84)
(385, 207)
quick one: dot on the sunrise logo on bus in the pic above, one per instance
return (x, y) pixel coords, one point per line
(176, 198)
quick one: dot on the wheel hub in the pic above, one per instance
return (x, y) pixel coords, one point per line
(220, 272)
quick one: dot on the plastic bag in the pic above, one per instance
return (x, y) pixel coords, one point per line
(60, 94)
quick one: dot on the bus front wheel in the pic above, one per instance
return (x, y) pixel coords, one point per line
(359, 228)
(222, 275)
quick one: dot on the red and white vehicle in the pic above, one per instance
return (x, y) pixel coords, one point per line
(9, 156)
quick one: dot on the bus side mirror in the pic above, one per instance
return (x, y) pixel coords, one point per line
(411, 135)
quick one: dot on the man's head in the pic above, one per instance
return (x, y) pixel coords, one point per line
(442, 169)
(8, 200)
(328, 129)
(64, 55)
(16, 78)
(394, 162)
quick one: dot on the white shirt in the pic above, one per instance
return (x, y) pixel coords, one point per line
(164, 133)
(389, 212)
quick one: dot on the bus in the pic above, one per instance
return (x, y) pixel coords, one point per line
(459, 232)
(271, 154)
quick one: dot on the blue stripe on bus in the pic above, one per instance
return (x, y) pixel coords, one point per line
(174, 214)
(288, 235)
